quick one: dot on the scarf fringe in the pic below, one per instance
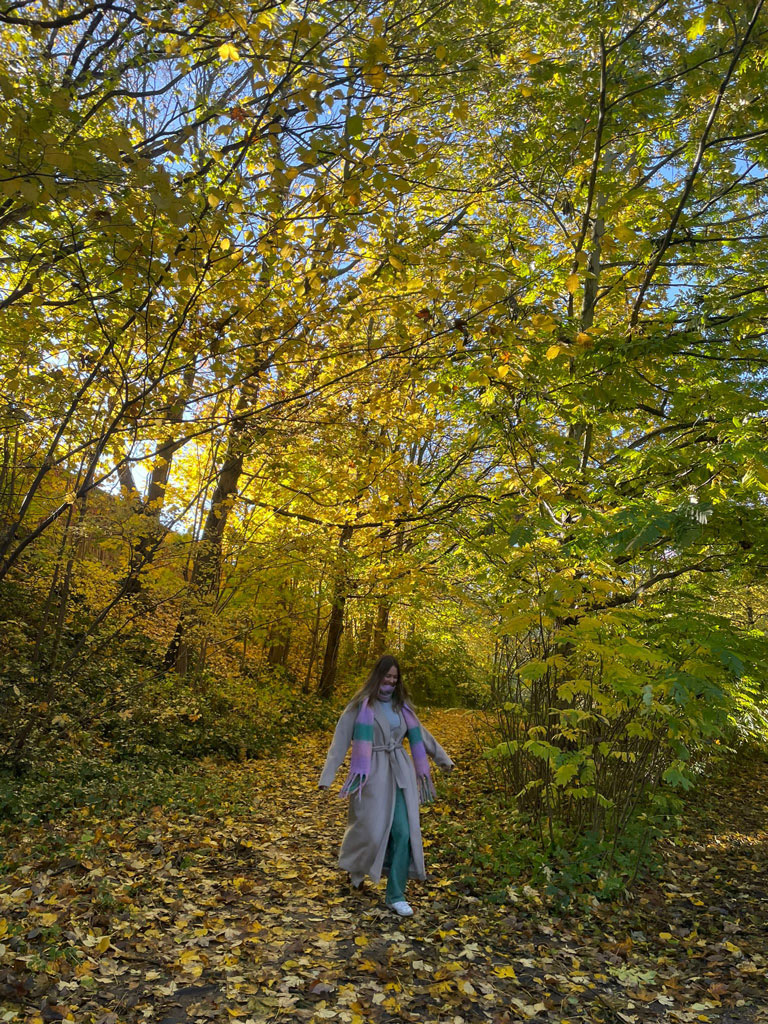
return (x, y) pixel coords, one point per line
(360, 765)
(354, 783)
(427, 792)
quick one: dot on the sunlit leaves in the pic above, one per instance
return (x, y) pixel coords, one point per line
(228, 52)
(449, 280)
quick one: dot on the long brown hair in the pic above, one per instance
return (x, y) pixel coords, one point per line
(370, 687)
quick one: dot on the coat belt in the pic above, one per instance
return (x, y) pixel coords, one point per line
(389, 747)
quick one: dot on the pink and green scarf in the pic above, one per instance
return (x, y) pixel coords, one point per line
(362, 748)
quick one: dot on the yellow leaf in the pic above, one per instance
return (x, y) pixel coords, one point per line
(542, 321)
(572, 282)
(228, 52)
(582, 337)
(624, 233)
(213, 199)
(698, 28)
(665, 935)
(361, 940)
(439, 988)
(505, 972)
(103, 944)
(225, 244)
(553, 351)
(396, 263)
(59, 158)
(441, 53)
(375, 76)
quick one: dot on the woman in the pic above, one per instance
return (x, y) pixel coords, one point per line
(384, 784)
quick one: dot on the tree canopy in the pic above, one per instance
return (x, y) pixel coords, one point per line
(337, 327)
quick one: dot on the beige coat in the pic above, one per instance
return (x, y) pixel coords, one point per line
(370, 815)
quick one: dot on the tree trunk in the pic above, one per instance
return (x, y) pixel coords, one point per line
(151, 539)
(281, 633)
(315, 637)
(384, 608)
(381, 628)
(336, 622)
(204, 579)
(364, 642)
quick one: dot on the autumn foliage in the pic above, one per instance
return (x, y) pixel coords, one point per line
(435, 327)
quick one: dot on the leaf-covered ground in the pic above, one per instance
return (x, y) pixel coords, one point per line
(237, 912)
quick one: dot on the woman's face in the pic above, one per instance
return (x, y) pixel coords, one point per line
(388, 683)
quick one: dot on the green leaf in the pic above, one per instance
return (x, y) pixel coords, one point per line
(697, 28)
(565, 773)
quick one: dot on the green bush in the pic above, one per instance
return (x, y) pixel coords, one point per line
(84, 783)
(440, 671)
(233, 716)
(73, 738)
(505, 850)
(602, 722)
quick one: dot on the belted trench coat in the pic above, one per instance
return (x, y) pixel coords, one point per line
(370, 814)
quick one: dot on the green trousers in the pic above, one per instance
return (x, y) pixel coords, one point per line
(398, 856)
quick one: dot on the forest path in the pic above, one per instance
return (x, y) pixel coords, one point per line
(241, 914)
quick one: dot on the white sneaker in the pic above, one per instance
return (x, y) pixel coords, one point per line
(402, 908)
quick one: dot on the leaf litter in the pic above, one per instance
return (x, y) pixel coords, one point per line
(236, 912)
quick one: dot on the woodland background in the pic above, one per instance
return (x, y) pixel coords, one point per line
(358, 325)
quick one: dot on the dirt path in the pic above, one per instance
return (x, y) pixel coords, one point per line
(242, 915)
